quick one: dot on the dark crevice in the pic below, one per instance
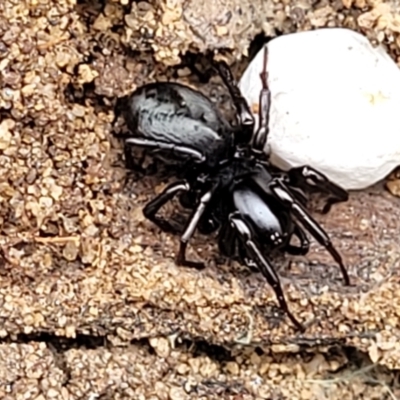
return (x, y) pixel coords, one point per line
(90, 8)
(198, 63)
(196, 346)
(220, 388)
(5, 114)
(59, 343)
(356, 362)
(256, 45)
(203, 348)
(79, 93)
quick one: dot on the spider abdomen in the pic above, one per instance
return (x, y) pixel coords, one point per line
(170, 114)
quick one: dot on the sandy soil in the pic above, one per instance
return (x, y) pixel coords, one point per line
(92, 305)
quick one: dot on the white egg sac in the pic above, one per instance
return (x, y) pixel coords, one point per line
(335, 105)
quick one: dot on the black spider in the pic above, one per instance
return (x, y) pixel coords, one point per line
(226, 178)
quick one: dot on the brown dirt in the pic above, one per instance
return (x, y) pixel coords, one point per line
(91, 302)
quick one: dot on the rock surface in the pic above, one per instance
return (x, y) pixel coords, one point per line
(334, 105)
(170, 28)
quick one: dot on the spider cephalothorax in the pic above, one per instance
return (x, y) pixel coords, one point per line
(227, 180)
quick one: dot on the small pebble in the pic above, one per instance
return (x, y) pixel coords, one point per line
(334, 105)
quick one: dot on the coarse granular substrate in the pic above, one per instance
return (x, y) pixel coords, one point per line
(91, 302)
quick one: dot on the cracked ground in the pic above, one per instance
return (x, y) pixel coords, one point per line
(92, 305)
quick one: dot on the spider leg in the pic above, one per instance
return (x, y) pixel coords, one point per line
(309, 178)
(228, 244)
(263, 264)
(137, 166)
(245, 259)
(261, 135)
(244, 115)
(173, 148)
(304, 243)
(190, 228)
(283, 194)
(151, 208)
(207, 224)
(227, 240)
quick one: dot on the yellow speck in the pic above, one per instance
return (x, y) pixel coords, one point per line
(255, 108)
(376, 98)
